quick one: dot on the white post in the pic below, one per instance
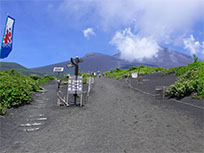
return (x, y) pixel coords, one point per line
(81, 103)
(58, 101)
(67, 91)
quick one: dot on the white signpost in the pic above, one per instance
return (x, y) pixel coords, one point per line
(58, 69)
(90, 81)
(135, 75)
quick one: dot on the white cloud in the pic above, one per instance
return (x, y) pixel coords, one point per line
(193, 46)
(147, 16)
(88, 32)
(133, 46)
(164, 21)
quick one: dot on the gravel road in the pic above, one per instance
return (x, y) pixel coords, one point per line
(115, 119)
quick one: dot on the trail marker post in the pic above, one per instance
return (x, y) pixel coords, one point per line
(160, 92)
(59, 70)
(75, 82)
(90, 81)
(135, 75)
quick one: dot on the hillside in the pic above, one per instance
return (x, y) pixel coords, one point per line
(101, 62)
(190, 81)
(92, 62)
(17, 67)
(166, 58)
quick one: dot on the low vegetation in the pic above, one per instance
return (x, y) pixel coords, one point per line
(190, 81)
(122, 73)
(85, 76)
(16, 88)
(45, 79)
(41, 80)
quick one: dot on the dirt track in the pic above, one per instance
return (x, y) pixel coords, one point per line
(115, 119)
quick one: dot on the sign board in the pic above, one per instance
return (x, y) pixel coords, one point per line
(70, 65)
(75, 85)
(58, 69)
(74, 61)
(135, 75)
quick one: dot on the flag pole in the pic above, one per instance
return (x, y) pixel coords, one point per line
(7, 14)
(2, 41)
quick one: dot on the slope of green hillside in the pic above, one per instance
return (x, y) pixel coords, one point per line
(122, 73)
(16, 88)
(190, 81)
(11, 65)
(17, 67)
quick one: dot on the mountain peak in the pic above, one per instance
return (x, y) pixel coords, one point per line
(102, 62)
(91, 54)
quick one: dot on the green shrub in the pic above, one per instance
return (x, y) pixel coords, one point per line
(35, 77)
(45, 79)
(132, 68)
(117, 69)
(85, 76)
(15, 89)
(2, 108)
(190, 81)
(195, 58)
(123, 73)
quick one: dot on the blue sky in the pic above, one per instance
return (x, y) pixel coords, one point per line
(48, 32)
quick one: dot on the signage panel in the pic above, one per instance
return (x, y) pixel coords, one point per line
(75, 85)
(58, 69)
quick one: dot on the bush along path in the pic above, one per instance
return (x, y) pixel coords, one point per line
(123, 73)
(190, 81)
(16, 88)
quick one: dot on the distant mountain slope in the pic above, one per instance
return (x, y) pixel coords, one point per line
(11, 65)
(91, 62)
(17, 67)
(166, 58)
(101, 62)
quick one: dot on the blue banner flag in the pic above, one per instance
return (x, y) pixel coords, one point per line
(6, 45)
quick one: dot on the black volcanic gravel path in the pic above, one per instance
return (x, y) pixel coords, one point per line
(150, 81)
(115, 119)
(147, 83)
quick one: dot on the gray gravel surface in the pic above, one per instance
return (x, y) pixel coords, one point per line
(115, 119)
(148, 82)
